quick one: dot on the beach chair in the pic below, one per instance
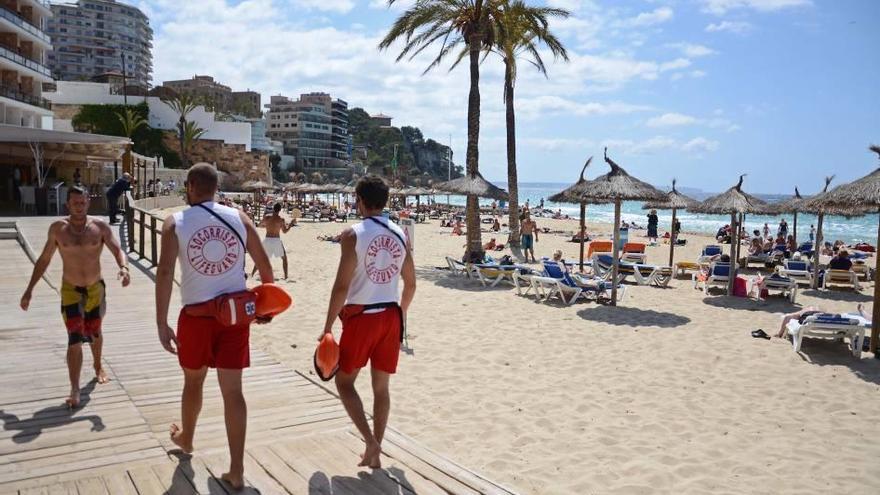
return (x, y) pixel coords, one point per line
(457, 268)
(786, 286)
(719, 276)
(844, 278)
(599, 247)
(708, 252)
(683, 267)
(634, 252)
(598, 288)
(491, 274)
(799, 271)
(806, 249)
(828, 325)
(642, 274)
(522, 278)
(861, 269)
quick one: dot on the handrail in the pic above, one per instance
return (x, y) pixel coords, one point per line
(15, 94)
(23, 23)
(29, 63)
(138, 221)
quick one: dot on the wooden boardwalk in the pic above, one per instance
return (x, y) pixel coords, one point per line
(299, 437)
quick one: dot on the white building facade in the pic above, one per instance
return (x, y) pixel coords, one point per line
(23, 69)
(161, 116)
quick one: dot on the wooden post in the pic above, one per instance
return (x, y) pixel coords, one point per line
(816, 249)
(794, 230)
(582, 231)
(875, 318)
(142, 232)
(734, 233)
(672, 238)
(129, 220)
(616, 252)
(154, 257)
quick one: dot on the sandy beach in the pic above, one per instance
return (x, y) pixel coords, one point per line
(666, 393)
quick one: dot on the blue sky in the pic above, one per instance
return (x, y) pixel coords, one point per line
(701, 90)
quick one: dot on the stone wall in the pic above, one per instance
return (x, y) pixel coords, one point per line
(240, 165)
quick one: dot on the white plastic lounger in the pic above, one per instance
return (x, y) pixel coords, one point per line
(799, 271)
(826, 325)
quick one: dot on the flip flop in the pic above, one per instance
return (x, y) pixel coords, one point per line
(760, 334)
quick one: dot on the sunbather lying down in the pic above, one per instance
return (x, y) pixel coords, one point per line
(802, 315)
(329, 238)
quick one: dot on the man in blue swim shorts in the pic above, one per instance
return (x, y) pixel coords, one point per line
(529, 236)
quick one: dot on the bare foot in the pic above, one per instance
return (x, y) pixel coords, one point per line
(73, 401)
(235, 480)
(372, 456)
(101, 375)
(176, 434)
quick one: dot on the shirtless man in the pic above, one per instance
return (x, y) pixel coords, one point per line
(529, 231)
(80, 240)
(274, 226)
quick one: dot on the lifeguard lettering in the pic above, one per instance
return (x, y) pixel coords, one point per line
(213, 250)
(383, 259)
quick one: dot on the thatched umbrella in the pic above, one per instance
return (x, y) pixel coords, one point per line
(793, 205)
(256, 185)
(854, 199)
(736, 203)
(617, 186)
(674, 201)
(811, 205)
(573, 194)
(473, 185)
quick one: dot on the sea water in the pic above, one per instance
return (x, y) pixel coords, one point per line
(849, 230)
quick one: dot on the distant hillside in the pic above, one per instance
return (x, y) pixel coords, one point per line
(417, 157)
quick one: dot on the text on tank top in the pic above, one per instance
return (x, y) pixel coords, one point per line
(210, 255)
(380, 256)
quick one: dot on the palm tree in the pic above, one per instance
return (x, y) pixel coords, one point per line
(182, 105)
(191, 133)
(452, 23)
(521, 28)
(131, 121)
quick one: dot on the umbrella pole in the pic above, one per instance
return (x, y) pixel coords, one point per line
(672, 239)
(616, 249)
(734, 233)
(875, 315)
(816, 250)
(794, 230)
(583, 229)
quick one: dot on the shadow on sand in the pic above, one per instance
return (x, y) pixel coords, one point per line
(827, 352)
(633, 317)
(772, 304)
(442, 278)
(391, 480)
(51, 417)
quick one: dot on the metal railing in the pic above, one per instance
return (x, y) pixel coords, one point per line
(20, 59)
(18, 95)
(23, 23)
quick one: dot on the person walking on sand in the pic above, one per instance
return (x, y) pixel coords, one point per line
(274, 226)
(80, 240)
(365, 298)
(211, 240)
(529, 236)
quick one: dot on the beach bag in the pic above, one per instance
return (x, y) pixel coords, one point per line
(235, 308)
(505, 260)
(739, 287)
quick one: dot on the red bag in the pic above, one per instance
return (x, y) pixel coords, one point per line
(740, 285)
(236, 308)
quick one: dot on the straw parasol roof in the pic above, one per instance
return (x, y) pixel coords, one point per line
(795, 204)
(573, 193)
(472, 185)
(256, 185)
(734, 200)
(853, 199)
(617, 185)
(674, 200)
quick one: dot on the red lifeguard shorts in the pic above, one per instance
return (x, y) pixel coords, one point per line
(373, 337)
(204, 342)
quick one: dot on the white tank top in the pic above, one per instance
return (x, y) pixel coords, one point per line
(380, 256)
(210, 256)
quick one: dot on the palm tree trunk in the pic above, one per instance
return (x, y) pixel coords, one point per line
(474, 239)
(181, 124)
(512, 186)
(583, 233)
(734, 234)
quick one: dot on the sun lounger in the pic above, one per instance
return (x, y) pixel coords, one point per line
(719, 276)
(642, 274)
(491, 274)
(799, 271)
(599, 247)
(806, 249)
(571, 286)
(708, 252)
(682, 267)
(846, 278)
(634, 252)
(827, 325)
(764, 259)
(787, 286)
(457, 268)
(861, 270)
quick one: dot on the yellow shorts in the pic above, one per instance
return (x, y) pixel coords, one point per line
(83, 309)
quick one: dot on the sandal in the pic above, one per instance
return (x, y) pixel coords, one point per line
(760, 334)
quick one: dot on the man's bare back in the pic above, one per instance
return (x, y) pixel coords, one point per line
(274, 224)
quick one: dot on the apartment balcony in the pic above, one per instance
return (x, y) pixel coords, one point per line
(24, 24)
(33, 65)
(17, 95)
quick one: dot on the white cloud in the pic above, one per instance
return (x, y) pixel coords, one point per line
(671, 119)
(644, 19)
(692, 50)
(721, 7)
(340, 6)
(700, 144)
(735, 27)
(679, 63)
(696, 74)
(542, 106)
